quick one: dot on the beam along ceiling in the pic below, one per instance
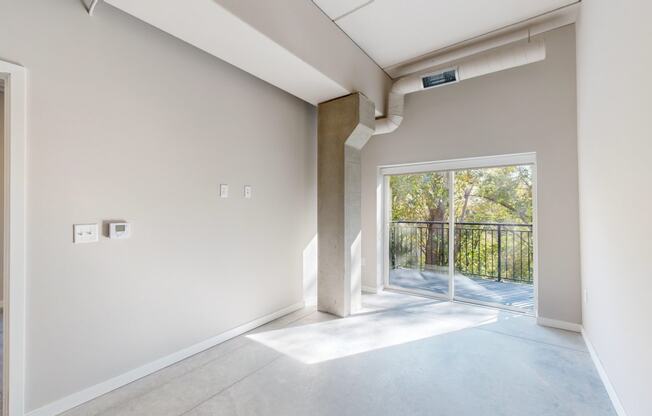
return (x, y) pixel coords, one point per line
(393, 32)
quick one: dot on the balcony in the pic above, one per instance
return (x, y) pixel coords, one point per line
(494, 262)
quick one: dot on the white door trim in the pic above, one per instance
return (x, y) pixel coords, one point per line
(15, 78)
(383, 206)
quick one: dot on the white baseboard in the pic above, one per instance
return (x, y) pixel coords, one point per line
(553, 323)
(371, 289)
(570, 326)
(620, 410)
(97, 390)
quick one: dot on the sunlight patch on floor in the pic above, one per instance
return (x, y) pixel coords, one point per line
(364, 332)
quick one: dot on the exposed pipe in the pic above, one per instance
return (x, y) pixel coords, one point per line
(482, 64)
(458, 54)
(524, 30)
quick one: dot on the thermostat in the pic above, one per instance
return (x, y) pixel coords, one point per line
(119, 230)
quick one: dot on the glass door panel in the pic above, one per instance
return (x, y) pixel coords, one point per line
(419, 232)
(494, 246)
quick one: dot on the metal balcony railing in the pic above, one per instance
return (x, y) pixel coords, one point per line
(488, 250)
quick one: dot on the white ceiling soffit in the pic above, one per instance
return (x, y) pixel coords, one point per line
(289, 43)
(393, 31)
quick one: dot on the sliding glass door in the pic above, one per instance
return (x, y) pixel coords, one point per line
(419, 232)
(494, 246)
(492, 240)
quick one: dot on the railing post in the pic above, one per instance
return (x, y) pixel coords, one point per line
(392, 245)
(407, 246)
(500, 245)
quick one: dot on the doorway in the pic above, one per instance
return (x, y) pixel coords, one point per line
(463, 230)
(13, 237)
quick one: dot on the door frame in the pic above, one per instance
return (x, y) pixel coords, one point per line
(13, 273)
(452, 165)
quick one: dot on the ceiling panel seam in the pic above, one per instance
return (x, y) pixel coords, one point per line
(350, 38)
(436, 52)
(353, 10)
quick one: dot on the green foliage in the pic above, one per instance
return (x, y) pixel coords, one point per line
(420, 197)
(492, 195)
(501, 194)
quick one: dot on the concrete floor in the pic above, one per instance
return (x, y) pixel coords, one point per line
(518, 295)
(401, 355)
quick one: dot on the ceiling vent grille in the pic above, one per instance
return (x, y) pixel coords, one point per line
(441, 78)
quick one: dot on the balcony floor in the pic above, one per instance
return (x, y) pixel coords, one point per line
(518, 295)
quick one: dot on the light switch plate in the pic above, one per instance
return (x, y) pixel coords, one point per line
(85, 233)
(224, 190)
(247, 191)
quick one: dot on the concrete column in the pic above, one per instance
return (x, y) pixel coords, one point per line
(344, 126)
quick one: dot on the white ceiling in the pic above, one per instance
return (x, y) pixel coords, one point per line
(392, 32)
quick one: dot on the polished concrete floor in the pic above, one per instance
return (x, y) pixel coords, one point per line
(399, 356)
(517, 295)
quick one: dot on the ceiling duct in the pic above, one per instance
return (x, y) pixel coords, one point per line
(482, 64)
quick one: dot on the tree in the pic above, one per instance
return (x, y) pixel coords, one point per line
(502, 194)
(419, 197)
(423, 197)
(490, 195)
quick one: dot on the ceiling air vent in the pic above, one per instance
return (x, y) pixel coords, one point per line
(440, 78)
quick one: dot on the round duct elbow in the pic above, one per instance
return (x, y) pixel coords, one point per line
(489, 62)
(388, 124)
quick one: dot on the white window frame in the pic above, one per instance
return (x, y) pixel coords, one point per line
(452, 165)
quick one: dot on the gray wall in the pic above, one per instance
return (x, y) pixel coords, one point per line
(614, 63)
(126, 122)
(526, 109)
(2, 174)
